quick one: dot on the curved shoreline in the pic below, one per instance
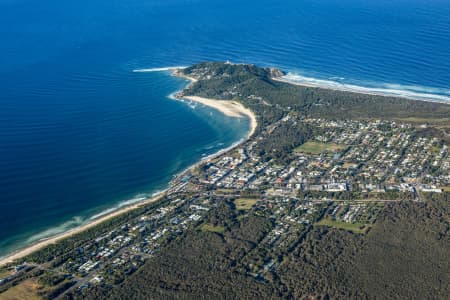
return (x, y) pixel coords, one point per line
(232, 109)
(229, 108)
(52, 240)
(343, 88)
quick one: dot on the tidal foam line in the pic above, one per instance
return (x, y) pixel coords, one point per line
(72, 223)
(383, 89)
(128, 202)
(158, 69)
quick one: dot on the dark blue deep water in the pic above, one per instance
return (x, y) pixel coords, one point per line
(81, 133)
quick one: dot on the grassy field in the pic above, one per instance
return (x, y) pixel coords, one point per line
(435, 149)
(212, 228)
(225, 191)
(244, 203)
(4, 273)
(312, 147)
(437, 121)
(27, 289)
(353, 227)
(350, 165)
(241, 217)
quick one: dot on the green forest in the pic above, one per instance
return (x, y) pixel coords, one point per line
(404, 255)
(271, 241)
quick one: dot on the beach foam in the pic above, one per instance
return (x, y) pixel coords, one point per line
(138, 198)
(72, 223)
(163, 69)
(385, 89)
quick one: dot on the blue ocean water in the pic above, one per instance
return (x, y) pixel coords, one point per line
(81, 133)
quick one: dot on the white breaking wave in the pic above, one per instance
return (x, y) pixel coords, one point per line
(134, 200)
(172, 96)
(102, 213)
(158, 69)
(159, 192)
(78, 221)
(72, 223)
(384, 89)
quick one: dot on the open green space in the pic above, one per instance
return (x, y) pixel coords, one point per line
(313, 147)
(420, 120)
(4, 272)
(212, 228)
(244, 203)
(27, 289)
(353, 227)
(435, 149)
(225, 191)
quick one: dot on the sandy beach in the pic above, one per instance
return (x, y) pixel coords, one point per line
(229, 108)
(28, 250)
(343, 88)
(177, 72)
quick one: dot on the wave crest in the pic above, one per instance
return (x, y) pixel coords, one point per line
(72, 223)
(136, 199)
(163, 69)
(384, 89)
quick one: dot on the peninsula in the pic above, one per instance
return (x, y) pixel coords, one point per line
(333, 194)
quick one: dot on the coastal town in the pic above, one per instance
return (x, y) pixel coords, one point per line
(294, 174)
(225, 150)
(352, 156)
(340, 178)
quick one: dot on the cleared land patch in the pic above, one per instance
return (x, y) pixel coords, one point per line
(313, 147)
(225, 191)
(244, 203)
(350, 165)
(417, 120)
(353, 227)
(212, 228)
(4, 273)
(27, 289)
